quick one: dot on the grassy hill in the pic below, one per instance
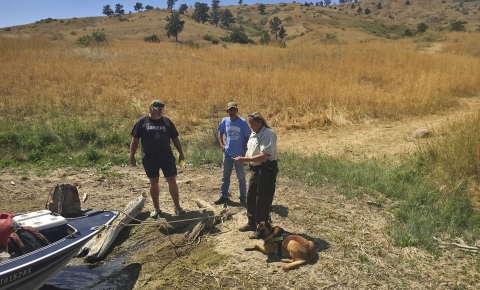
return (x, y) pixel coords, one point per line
(387, 19)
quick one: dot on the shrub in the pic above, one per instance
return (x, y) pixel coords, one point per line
(237, 35)
(84, 41)
(215, 41)
(207, 37)
(92, 154)
(264, 21)
(192, 44)
(151, 38)
(408, 33)
(57, 36)
(87, 40)
(73, 33)
(98, 36)
(457, 25)
(330, 38)
(8, 28)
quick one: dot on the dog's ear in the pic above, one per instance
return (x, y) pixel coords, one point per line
(268, 225)
(273, 234)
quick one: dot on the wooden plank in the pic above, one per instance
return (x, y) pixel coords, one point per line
(99, 245)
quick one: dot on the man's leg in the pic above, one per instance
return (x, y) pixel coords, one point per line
(154, 192)
(227, 168)
(251, 204)
(266, 190)
(242, 183)
(173, 188)
(252, 194)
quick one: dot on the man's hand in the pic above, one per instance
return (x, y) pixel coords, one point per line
(133, 161)
(240, 160)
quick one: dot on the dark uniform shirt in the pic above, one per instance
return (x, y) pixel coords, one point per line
(155, 136)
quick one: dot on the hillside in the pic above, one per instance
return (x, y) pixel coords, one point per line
(388, 19)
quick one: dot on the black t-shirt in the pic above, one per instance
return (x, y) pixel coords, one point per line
(155, 136)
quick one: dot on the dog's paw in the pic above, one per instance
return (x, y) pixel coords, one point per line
(249, 249)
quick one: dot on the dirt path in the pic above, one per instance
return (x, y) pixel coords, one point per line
(377, 138)
(350, 235)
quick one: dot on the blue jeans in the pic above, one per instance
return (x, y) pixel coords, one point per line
(227, 168)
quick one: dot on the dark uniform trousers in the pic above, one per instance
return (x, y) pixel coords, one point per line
(260, 192)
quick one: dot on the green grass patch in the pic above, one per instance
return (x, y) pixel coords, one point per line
(63, 142)
(424, 211)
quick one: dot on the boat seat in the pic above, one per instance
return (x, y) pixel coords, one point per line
(4, 255)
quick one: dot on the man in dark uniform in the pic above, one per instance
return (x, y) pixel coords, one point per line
(262, 155)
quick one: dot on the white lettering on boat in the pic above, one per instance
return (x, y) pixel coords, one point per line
(15, 276)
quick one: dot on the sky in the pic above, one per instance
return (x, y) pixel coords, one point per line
(19, 12)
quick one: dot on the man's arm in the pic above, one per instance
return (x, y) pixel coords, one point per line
(220, 141)
(133, 149)
(246, 142)
(178, 146)
(257, 158)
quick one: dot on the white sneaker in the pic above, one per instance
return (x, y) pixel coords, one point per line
(155, 213)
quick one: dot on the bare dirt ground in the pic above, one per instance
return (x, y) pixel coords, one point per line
(350, 235)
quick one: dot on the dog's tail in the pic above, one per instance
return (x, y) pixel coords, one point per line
(294, 265)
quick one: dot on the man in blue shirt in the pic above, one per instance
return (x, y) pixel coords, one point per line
(236, 131)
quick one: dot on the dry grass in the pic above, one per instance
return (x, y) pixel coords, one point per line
(306, 85)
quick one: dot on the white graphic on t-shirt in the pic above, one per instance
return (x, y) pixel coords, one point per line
(156, 128)
(233, 132)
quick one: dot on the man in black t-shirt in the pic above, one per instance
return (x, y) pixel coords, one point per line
(156, 131)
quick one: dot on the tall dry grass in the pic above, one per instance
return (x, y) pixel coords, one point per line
(303, 86)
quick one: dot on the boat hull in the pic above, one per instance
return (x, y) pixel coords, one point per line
(33, 270)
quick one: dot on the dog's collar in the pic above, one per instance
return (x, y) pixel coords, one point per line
(277, 239)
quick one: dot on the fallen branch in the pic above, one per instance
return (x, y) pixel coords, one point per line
(465, 247)
(99, 245)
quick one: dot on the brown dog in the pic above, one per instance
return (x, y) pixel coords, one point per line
(300, 250)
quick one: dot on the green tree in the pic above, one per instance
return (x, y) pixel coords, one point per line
(367, 11)
(359, 10)
(421, 27)
(215, 17)
(275, 26)
(226, 18)
(170, 4)
(261, 8)
(237, 35)
(138, 6)
(119, 9)
(327, 2)
(174, 25)
(183, 8)
(282, 33)
(215, 4)
(107, 10)
(379, 5)
(149, 7)
(240, 2)
(265, 38)
(200, 12)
